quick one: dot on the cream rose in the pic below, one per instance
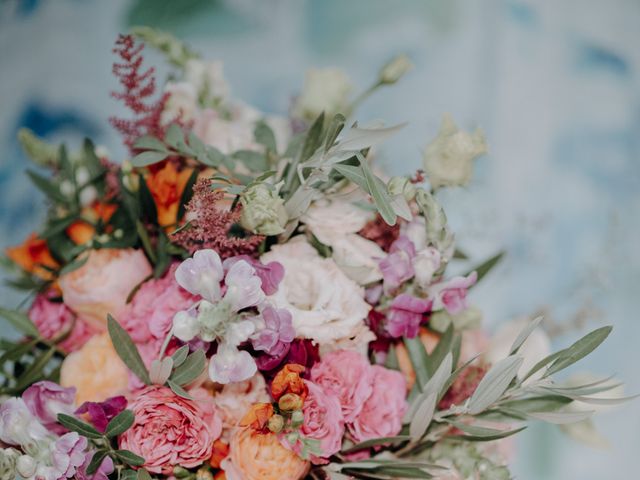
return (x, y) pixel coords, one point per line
(325, 304)
(103, 283)
(95, 370)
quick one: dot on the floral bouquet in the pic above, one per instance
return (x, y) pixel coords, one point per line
(247, 297)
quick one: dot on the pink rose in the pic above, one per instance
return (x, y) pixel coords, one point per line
(103, 283)
(347, 375)
(170, 430)
(382, 413)
(54, 318)
(323, 421)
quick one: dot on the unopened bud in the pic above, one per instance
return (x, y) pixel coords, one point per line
(297, 418)
(276, 423)
(204, 474)
(290, 402)
(263, 210)
(395, 69)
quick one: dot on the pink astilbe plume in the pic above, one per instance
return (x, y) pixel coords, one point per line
(139, 86)
(210, 224)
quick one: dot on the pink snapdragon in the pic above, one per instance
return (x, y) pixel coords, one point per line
(405, 315)
(452, 294)
(397, 267)
(277, 334)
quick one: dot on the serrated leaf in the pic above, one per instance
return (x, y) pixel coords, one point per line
(149, 142)
(180, 355)
(148, 157)
(120, 423)
(494, 384)
(78, 426)
(127, 350)
(579, 350)
(129, 458)
(189, 370)
(96, 461)
(20, 321)
(524, 335)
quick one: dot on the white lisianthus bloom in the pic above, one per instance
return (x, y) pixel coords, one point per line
(536, 347)
(326, 306)
(358, 258)
(359, 342)
(448, 159)
(324, 90)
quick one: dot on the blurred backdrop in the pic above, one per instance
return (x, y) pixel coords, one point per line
(555, 84)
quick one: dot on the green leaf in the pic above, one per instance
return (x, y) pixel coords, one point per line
(73, 265)
(146, 241)
(435, 385)
(178, 390)
(265, 136)
(129, 475)
(378, 192)
(443, 347)
(120, 423)
(190, 369)
(541, 364)
(46, 186)
(579, 349)
(423, 416)
(148, 157)
(127, 350)
(143, 475)
(313, 139)
(524, 334)
(75, 425)
(419, 360)
(35, 370)
(544, 403)
(254, 161)
(335, 127)
(149, 142)
(20, 321)
(486, 266)
(494, 384)
(174, 136)
(374, 442)
(484, 434)
(561, 418)
(147, 203)
(353, 174)
(187, 193)
(180, 355)
(129, 458)
(96, 461)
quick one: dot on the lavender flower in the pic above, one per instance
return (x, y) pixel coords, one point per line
(278, 331)
(397, 267)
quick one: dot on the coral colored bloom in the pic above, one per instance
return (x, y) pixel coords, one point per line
(166, 186)
(220, 452)
(258, 416)
(100, 413)
(101, 286)
(347, 375)
(170, 430)
(46, 400)
(259, 456)
(33, 256)
(405, 315)
(288, 380)
(53, 319)
(323, 422)
(82, 231)
(382, 413)
(95, 370)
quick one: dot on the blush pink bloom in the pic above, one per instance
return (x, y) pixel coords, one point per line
(452, 294)
(347, 375)
(170, 430)
(46, 400)
(323, 421)
(405, 315)
(55, 318)
(397, 267)
(382, 413)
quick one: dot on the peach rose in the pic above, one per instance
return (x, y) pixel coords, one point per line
(170, 430)
(103, 283)
(95, 370)
(258, 456)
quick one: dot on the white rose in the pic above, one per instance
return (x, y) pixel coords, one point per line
(534, 349)
(227, 136)
(425, 264)
(182, 102)
(358, 258)
(448, 159)
(328, 219)
(325, 304)
(325, 90)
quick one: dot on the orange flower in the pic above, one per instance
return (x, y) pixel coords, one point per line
(429, 339)
(288, 380)
(32, 256)
(82, 231)
(220, 452)
(258, 456)
(258, 416)
(166, 186)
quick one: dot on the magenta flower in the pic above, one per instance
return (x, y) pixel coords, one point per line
(397, 267)
(270, 274)
(405, 315)
(100, 413)
(300, 351)
(278, 331)
(452, 294)
(45, 400)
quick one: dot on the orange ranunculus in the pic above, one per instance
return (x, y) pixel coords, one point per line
(32, 256)
(429, 339)
(220, 476)
(258, 416)
(166, 186)
(288, 380)
(220, 452)
(82, 231)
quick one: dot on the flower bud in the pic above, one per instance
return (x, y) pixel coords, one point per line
(26, 466)
(276, 423)
(204, 473)
(8, 459)
(297, 418)
(263, 210)
(290, 402)
(401, 186)
(395, 69)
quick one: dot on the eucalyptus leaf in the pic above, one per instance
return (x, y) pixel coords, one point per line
(78, 426)
(147, 158)
(127, 350)
(180, 355)
(20, 321)
(524, 335)
(190, 369)
(579, 350)
(129, 458)
(494, 384)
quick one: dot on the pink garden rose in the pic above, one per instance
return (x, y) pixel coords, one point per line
(382, 413)
(347, 375)
(55, 318)
(170, 430)
(103, 283)
(323, 421)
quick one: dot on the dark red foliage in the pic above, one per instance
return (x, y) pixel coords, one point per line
(211, 224)
(138, 89)
(380, 232)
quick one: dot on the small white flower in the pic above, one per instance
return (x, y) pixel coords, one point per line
(201, 274)
(325, 90)
(395, 69)
(425, 264)
(230, 365)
